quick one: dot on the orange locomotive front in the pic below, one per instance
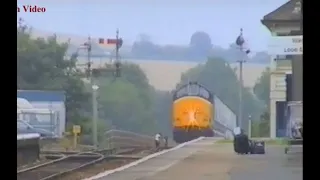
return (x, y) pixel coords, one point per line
(192, 112)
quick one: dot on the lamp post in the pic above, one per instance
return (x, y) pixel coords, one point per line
(95, 115)
(249, 126)
(240, 42)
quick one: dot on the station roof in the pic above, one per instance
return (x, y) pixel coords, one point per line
(38, 95)
(289, 11)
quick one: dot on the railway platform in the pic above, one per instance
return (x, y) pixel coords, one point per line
(204, 159)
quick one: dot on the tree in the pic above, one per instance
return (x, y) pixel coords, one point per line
(41, 66)
(262, 91)
(261, 57)
(262, 87)
(173, 52)
(162, 111)
(200, 45)
(261, 128)
(145, 48)
(126, 102)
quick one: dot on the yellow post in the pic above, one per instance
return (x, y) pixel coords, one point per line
(76, 129)
(75, 141)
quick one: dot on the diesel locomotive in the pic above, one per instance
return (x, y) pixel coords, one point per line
(198, 112)
(192, 112)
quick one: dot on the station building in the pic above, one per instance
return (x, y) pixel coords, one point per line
(51, 100)
(285, 48)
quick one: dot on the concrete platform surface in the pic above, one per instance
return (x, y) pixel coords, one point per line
(274, 165)
(207, 160)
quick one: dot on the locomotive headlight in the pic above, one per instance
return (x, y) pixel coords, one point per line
(192, 116)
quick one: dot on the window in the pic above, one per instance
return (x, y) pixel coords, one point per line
(193, 90)
(22, 125)
(284, 57)
(284, 63)
(296, 33)
(281, 57)
(282, 34)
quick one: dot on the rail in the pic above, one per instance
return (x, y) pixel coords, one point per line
(57, 167)
(70, 162)
(122, 145)
(120, 138)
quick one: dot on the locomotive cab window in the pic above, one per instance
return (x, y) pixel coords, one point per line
(192, 90)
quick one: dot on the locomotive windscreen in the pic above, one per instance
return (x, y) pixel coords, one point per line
(193, 89)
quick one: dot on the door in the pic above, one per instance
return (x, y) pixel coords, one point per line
(281, 122)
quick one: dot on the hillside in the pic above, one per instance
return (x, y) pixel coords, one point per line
(156, 69)
(146, 50)
(164, 74)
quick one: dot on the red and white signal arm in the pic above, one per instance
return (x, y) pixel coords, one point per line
(117, 42)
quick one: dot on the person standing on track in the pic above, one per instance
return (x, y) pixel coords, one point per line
(157, 138)
(165, 139)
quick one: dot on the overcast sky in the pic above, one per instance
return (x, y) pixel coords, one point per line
(166, 21)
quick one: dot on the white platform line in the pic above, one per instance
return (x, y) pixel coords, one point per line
(106, 173)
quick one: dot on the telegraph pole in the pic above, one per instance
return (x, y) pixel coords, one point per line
(89, 71)
(118, 42)
(94, 88)
(117, 45)
(88, 46)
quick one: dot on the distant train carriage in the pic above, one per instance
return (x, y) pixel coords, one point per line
(225, 120)
(194, 114)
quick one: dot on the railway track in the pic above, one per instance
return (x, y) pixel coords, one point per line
(56, 154)
(69, 163)
(126, 147)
